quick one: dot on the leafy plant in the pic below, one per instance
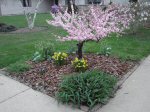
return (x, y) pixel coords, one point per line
(45, 51)
(48, 52)
(88, 88)
(80, 65)
(106, 51)
(37, 56)
(18, 67)
(59, 58)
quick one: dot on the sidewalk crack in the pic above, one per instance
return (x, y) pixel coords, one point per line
(14, 96)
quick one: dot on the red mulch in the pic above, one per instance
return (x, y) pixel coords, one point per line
(46, 77)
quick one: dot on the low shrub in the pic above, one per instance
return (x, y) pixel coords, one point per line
(7, 28)
(18, 67)
(88, 88)
(80, 65)
(59, 58)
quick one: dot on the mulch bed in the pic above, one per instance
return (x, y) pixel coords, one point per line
(46, 76)
(7, 28)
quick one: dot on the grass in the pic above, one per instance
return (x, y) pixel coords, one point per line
(20, 47)
(18, 67)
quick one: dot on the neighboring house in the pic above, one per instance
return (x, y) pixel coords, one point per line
(9, 7)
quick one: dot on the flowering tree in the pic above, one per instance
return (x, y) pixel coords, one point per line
(94, 24)
(141, 14)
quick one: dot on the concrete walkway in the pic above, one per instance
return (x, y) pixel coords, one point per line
(16, 97)
(135, 93)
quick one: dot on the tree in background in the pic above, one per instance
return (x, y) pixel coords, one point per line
(72, 8)
(31, 18)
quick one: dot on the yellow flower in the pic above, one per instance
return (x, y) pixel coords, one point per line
(80, 64)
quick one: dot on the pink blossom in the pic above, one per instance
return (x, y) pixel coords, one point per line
(94, 24)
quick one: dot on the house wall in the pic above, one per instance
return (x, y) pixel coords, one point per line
(9, 7)
(84, 2)
(78, 2)
(116, 1)
(0, 11)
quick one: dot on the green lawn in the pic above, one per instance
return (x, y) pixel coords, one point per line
(18, 47)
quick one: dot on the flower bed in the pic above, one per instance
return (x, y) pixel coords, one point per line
(46, 76)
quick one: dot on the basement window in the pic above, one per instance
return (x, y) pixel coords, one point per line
(133, 1)
(94, 1)
(56, 2)
(26, 3)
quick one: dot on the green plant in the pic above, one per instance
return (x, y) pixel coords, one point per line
(48, 52)
(80, 65)
(45, 51)
(18, 67)
(37, 56)
(59, 58)
(106, 51)
(88, 88)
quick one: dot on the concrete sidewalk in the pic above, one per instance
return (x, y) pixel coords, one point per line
(135, 93)
(16, 97)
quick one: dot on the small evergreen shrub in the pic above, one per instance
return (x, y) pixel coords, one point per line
(89, 88)
(7, 28)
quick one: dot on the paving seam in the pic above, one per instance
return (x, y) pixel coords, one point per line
(14, 95)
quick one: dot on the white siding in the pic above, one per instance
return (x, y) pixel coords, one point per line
(80, 2)
(15, 7)
(83, 2)
(0, 10)
(62, 2)
(116, 1)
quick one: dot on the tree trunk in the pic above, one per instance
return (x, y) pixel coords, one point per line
(31, 19)
(72, 8)
(79, 52)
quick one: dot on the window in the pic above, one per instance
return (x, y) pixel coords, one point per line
(94, 1)
(133, 1)
(56, 2)
(26, 3)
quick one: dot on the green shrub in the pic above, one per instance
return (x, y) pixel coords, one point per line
(18, 67)
(89, 88)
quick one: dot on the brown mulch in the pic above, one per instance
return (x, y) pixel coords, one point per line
(46, 77)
